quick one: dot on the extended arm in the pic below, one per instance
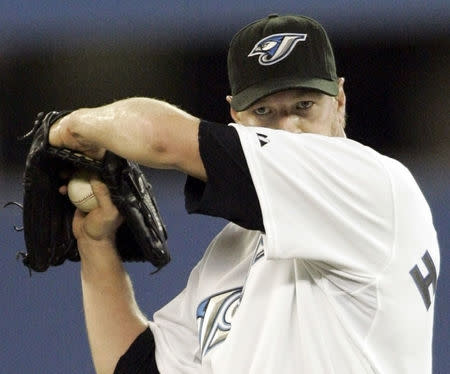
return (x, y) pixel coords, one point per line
(113, 318)
(148, 131)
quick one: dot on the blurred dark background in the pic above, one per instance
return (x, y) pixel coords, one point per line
(394, 56)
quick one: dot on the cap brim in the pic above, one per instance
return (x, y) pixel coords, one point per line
(252, 94)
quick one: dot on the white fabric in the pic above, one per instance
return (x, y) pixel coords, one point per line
(328, 288)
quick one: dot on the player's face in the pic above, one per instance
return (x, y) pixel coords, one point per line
(298, 111)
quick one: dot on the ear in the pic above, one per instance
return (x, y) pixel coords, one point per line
(233, 113)
(341, 100)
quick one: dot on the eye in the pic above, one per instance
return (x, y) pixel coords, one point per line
(261, 111)
(304, 104)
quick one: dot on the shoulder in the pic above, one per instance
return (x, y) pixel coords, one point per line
(272, 140)
(311, 156)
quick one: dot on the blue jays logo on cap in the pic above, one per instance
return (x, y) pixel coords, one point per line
(275, 47)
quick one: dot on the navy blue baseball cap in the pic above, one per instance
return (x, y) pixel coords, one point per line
(277, 53)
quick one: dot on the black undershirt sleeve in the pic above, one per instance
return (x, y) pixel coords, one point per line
(229, 192)
(140, 357)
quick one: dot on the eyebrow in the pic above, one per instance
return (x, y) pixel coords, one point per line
(299, 95)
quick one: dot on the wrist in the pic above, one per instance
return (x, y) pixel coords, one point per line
(99, 259)
(85, 131)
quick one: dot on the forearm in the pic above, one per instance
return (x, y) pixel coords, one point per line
(148, 131)
(113, 318)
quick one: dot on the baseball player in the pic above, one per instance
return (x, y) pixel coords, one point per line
(330, 261)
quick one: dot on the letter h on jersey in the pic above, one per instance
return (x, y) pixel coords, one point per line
(423, 283)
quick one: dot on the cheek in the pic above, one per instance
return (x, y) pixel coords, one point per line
(321, 123)
(328, 121)
(253, 122)
(245, 119)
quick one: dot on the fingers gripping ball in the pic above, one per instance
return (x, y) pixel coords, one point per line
(80, 191)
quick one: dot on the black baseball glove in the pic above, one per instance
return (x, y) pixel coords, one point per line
(48, 215)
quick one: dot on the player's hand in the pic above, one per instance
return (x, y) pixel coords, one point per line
(74, 132)
(100, 223)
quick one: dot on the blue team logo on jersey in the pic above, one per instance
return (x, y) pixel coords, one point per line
(276, 47)
(215, 313)
(214, 317)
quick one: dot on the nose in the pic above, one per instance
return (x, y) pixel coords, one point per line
(289, 122)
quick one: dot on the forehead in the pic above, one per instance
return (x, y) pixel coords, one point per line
(289, 96)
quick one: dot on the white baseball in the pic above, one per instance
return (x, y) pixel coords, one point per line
(80, 191)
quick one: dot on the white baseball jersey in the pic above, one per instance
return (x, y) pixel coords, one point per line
(342, 280)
